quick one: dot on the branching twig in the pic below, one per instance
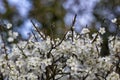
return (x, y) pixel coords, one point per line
(53, 46)
(61, 40)
(94, 38)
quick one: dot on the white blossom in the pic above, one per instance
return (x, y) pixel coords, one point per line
(102, 30)
(31, 76)
(9, 25)
(10, 39)
(47, 62)
(20, 63)
(29, 59)
(15, 34)
(85, 30)
(114, 20)
(22, 77)
(113, 76)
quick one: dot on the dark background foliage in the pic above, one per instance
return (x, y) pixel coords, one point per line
(51, 14)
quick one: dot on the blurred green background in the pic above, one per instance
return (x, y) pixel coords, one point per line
(57, 15)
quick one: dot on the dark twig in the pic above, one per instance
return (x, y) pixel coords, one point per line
(37, 30)
(1, 76)
(51, 27)
(72, 27)
(22, 51)
(61, 40)
(34, 36)
(4, 46)
(95, 38)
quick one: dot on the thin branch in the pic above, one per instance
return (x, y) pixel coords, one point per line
(53, 46)
(95, 38)
(34, 36)
(61, 40)
(37, 30)
(51, 31)
(22, 51)
(4, 46)
(72, 27)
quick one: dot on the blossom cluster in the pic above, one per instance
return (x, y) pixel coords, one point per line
(74, 57)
